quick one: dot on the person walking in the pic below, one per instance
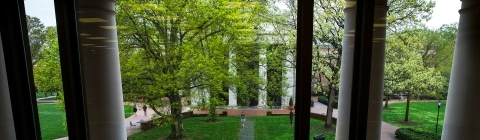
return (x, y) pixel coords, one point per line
(291, 117)
(243, 118)
(145, 109)
(135, 109)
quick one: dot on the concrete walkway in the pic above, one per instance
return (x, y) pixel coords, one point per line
(388, 130)
(247, 132)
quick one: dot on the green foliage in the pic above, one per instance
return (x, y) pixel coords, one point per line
(312, 103)
(37, 35)
(166, 49)
(47, 72)
(412, 134)
(324, 100)
(290, 101)
(405, 70)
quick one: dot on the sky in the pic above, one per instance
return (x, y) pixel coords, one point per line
(445, 12)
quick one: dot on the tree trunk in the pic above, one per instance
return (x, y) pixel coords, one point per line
(331, 97)
(386, 103)
(176, 110)
(408, 107)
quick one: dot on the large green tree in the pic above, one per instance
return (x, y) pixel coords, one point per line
(405, 71)
(182, 46)
(37, 35)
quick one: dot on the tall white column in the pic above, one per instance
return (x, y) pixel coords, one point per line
(232, 97)
(101, 69)
(262, 70)
(346, 72)
(374, 120)
(290, 81)
(7, 128)
(462, 118)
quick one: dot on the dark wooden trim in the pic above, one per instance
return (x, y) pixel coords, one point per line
(361, 70)
(18, 64)
(75, 104)
(304, 69)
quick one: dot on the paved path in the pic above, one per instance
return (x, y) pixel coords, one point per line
(247, 132)
(388, 130)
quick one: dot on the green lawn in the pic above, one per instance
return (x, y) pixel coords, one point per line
(128, 109)
(278, 128)
(422, 113)
(266, 128)
(197, 129)
(51, 120)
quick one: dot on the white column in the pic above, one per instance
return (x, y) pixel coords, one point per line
(290, 81)
(7, 128)
(346, 72)
(232, 97)
(262, 96)
(462, 117)
(101, 69)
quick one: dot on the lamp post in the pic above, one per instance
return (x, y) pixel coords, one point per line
(438, 114)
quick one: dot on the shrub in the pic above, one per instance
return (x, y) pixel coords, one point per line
(311, 103)
(412, 134)
(290, 102)
(324, 100)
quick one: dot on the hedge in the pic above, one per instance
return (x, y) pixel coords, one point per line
(412, 134)
(324, 100)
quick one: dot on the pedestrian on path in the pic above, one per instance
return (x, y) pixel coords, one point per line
(243, 119)
(291, 117)
(145, 109)
(135, 109)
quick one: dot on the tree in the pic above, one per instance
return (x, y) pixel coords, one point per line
(47, 70)
(405, 71)
(183, 45)
(37, 34)
(47, 73)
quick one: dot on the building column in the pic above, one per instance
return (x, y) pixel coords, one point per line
(232, 97)
(290, 81)
(101, 69)
(462, 118)
(346, 72)
(374, 123)
(7, 127)
(262, 71)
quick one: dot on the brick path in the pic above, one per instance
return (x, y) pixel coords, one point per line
(247, 132)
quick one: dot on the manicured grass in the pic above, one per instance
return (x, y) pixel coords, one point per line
(197, 129)
(51, 121)
(128, 109)
(278, 128)
(422, 113)
(266, 128)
